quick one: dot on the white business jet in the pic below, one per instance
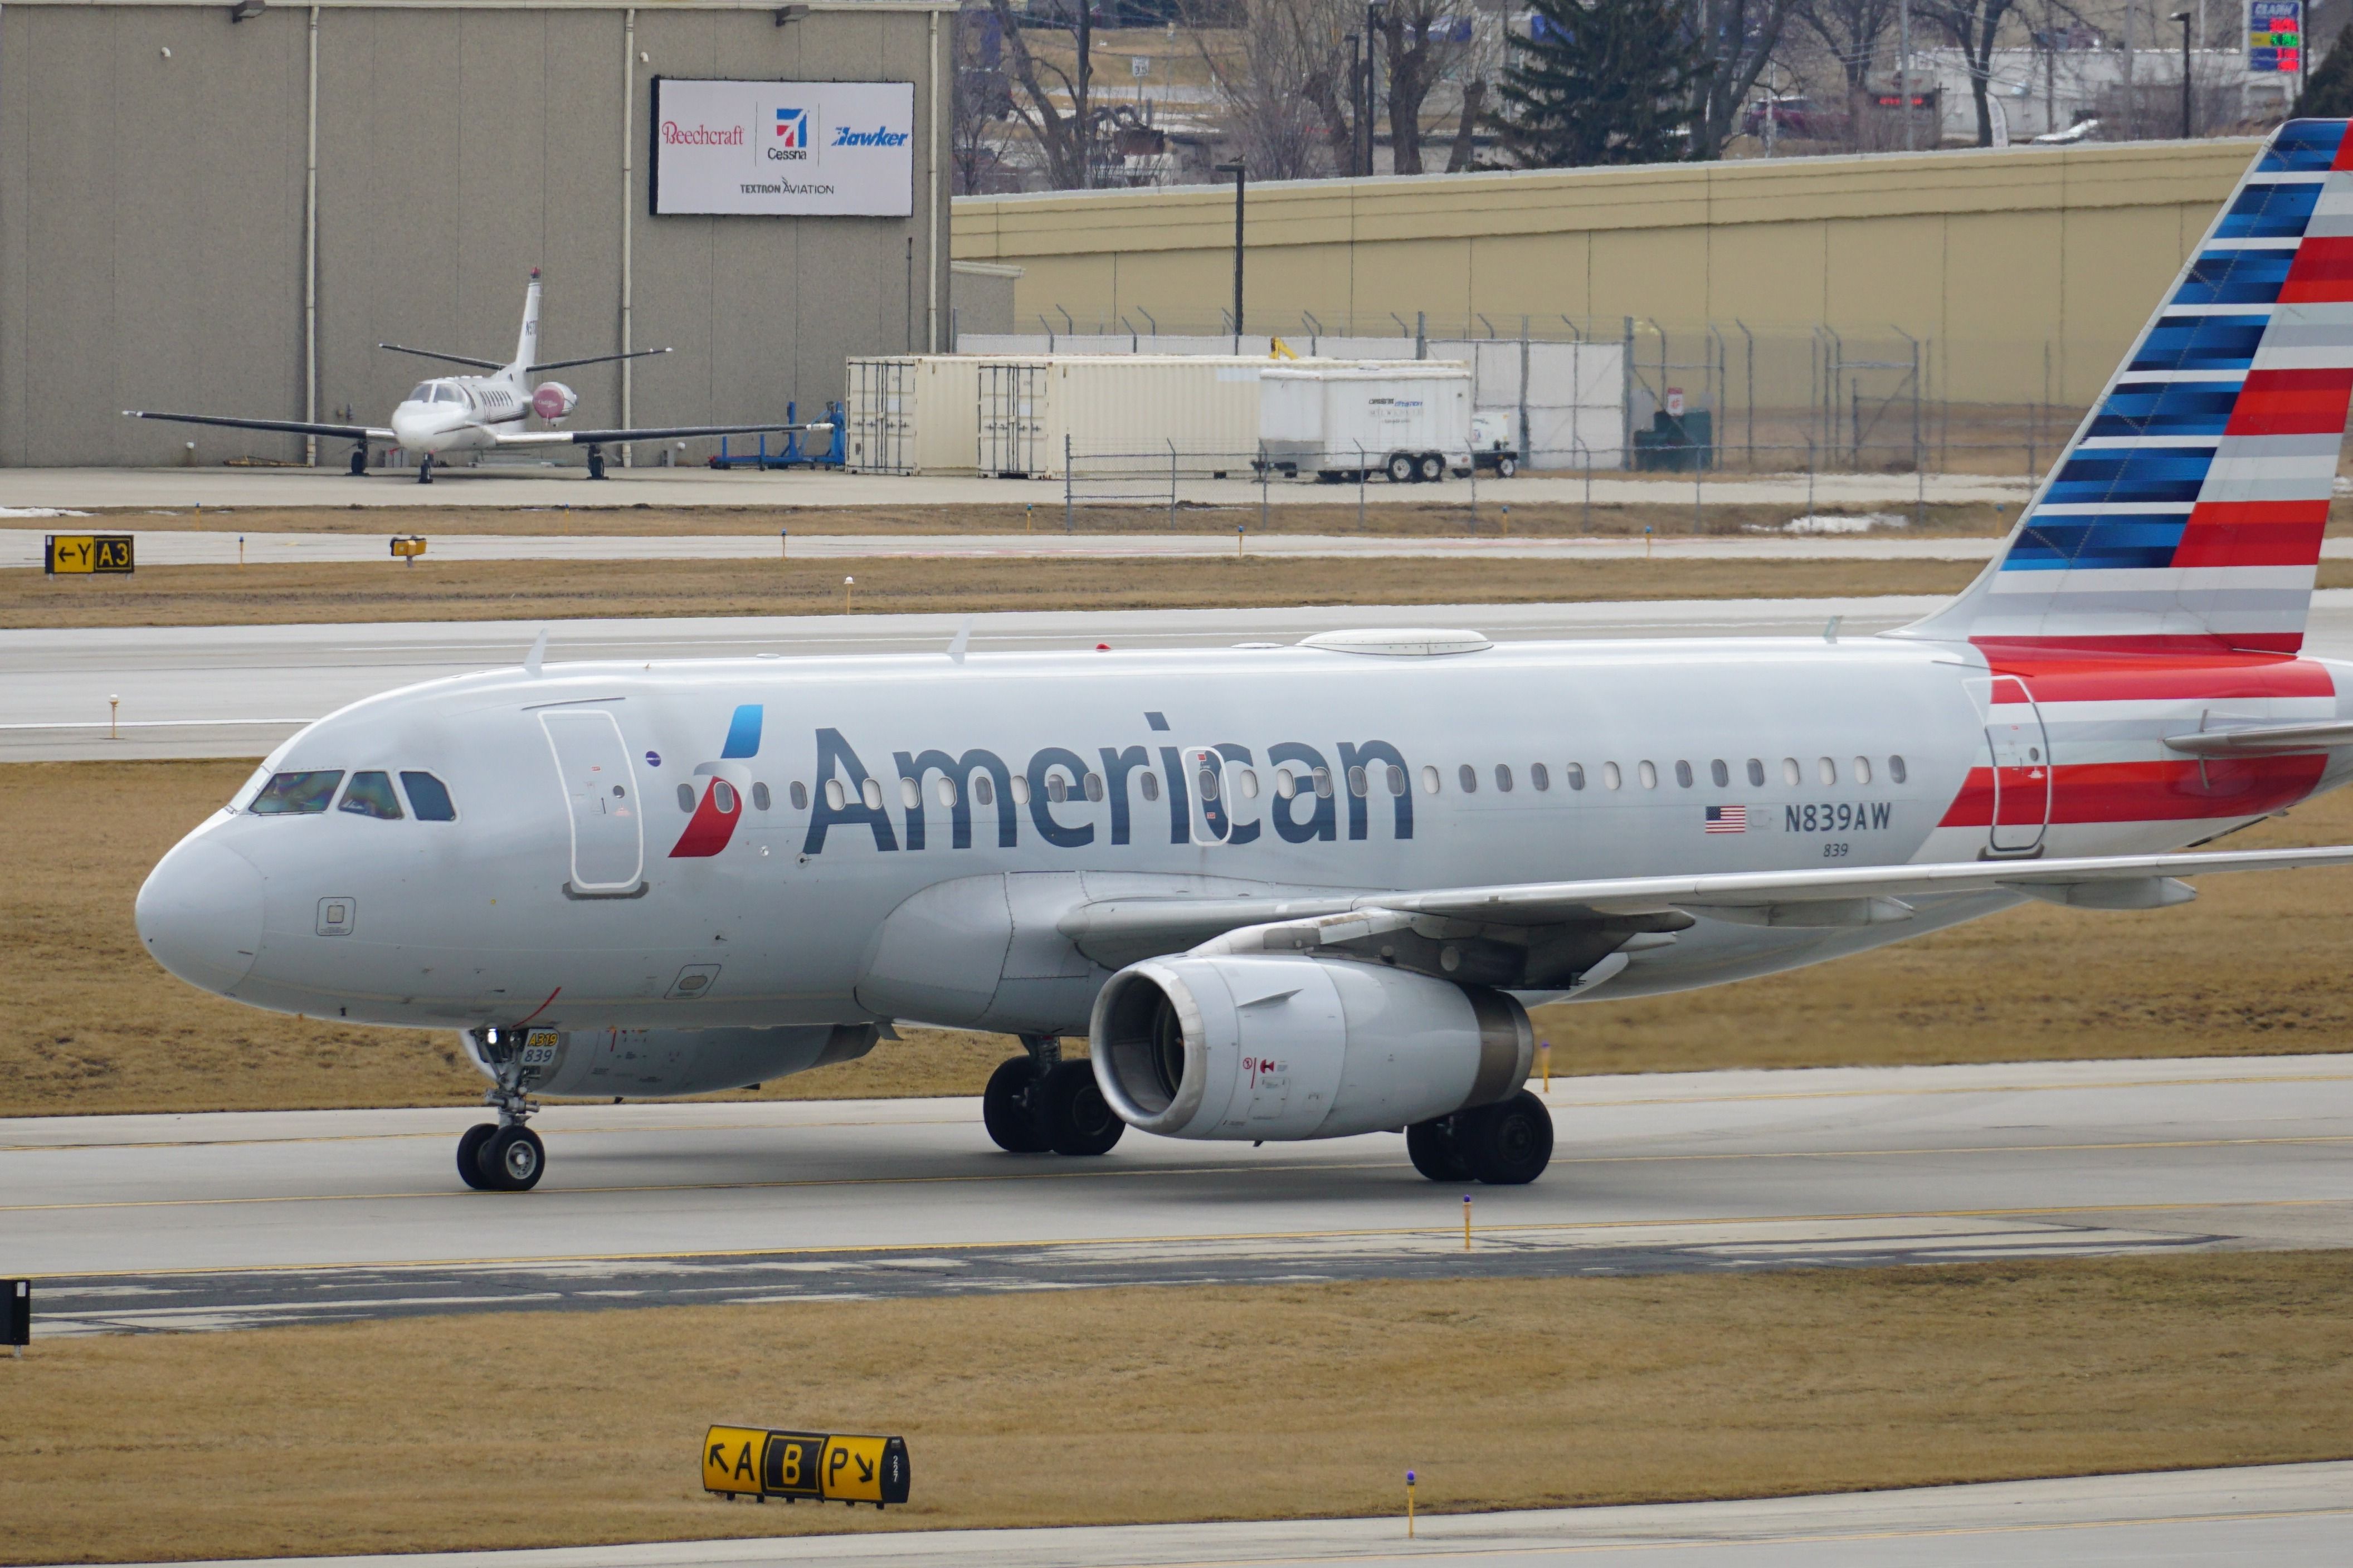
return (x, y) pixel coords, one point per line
(1309, 891)
(482, 413)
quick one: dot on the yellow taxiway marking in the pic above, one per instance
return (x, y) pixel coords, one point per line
(1130, 1171)
(1446, 1233)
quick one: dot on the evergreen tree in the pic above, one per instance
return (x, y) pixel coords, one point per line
(2328, 90)
(1607, 81)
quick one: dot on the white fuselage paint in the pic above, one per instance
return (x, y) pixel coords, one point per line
(473, 921)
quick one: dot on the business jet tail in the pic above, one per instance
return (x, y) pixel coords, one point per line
(2185, 515)
(527, 343)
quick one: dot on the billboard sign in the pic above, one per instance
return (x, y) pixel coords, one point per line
(2276, 36)
(785, 149)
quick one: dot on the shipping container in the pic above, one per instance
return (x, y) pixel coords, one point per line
(911, 414)
(1192, 416)
(1409, 421)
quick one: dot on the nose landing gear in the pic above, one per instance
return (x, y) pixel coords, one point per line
(425, 470)
(504, 1156)
(1040, 1102)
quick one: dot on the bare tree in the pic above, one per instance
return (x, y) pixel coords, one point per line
(1737, 38)
(1064, 136)
(1974, 26)
(977, 125)
(1285, 86)
(1850, 32)
(1421, 41)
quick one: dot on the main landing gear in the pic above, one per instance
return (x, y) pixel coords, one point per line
(1039, 1102)
(504, 1156)
(1503, 1145)
(359, 461)
(595, 461)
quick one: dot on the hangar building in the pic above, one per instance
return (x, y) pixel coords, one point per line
(224, 208)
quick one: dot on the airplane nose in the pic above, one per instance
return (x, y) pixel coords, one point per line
(199, 913)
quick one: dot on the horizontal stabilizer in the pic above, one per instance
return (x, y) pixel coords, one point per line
(592, 358)
(446, 359)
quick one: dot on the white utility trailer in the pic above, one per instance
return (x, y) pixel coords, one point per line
(1338, 421)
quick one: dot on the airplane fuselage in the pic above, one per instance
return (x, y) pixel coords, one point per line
(755, 841)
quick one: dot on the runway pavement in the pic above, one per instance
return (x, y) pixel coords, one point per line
(509, 484)
(183, 547)
(210, 1222)
(237, 691)
(2275, 1516)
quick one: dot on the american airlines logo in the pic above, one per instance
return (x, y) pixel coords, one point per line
(843, 136)
(677, 135)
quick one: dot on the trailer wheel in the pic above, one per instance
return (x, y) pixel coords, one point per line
(1430, 469)
(1401, 468)
(1506, 465)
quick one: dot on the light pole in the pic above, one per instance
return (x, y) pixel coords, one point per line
(1375, 15)
(1356, 98)
(2183, 18)
(1240, 170)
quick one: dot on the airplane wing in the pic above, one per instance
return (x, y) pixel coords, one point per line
(1125, 930)
(289, 426)
(613, 437)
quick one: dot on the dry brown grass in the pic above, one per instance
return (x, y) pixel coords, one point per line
(1101, 1406)
(89, 1025)
(548, 590)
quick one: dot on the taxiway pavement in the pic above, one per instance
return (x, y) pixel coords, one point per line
(237, 691)
(224, 1221)
(2275, 1516)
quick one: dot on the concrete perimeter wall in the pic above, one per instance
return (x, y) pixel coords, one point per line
(1998, 258)
(152, 213)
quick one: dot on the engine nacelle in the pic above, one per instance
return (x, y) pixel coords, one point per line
(657, 1063)
(552, 400)
(1284, 1047)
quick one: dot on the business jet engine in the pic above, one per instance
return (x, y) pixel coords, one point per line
(552, 400)
(1293, 1047)
(658, 1063)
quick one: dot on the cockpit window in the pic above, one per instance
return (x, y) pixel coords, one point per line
(370, 795)
(296, 795)
(429, 797)
(448, 394)
(423, 393)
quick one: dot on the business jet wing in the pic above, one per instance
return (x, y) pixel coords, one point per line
(1129, 929)
(291, 426)
(665, 432)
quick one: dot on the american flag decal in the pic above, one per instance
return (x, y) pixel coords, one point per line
(1726, 819)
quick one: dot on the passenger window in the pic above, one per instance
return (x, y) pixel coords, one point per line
(686, 797)
(1502, 778)
(760, 797)
(1396, 780)
(296, 794)
(1324, 783)
(836, 797)
(1095, 787)
(1540, 775)
(1358, 784)
(1428, 779)
(1285, 786)
(1017, 787)
(984, 789)
(1895, 769)
(1719, 773)
(1756, 771)
(370, 795)
(1828, 770)
(1056, 790)
(1245, 781)
(1863, 770)
(1648, 771)
(722, 795)
(799, 795)
(945, 789)
(1684, 774)
(1791, 775)
(1207, 781)
(1610, 777)
(1149, 783)
(1467, 777)
(870, 792)
(911, 793)
(1575, 772)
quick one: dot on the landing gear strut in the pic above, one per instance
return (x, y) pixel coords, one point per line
(1503, 1145)
(425, 470)
(1039, 1101)
(504, 1156)
(359, 461)
(595, 461)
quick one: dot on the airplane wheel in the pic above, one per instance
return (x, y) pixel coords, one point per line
(512, 1160)
(359, 462)
(1506, 1145)
(1431, 468)
(1006, 1108)
(595, 465)
(425, 470)
(1401, 468)
(469, 1155)
(1073, 1114)
(1431, 1146)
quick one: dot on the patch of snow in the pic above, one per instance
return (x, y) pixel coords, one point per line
(1822, 522)
(37, 512)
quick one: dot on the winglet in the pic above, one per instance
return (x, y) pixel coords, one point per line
(961, 641)
(530, 661)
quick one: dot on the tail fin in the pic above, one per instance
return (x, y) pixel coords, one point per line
(527, 344)
(2187, 513)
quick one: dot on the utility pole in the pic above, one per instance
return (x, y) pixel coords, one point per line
(1374, 14)
(1086, 70)
(1355, 102)
(1903, 69)
(2183, 18)
(1240, 170)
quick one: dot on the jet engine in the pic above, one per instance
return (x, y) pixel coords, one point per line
(552, 400)
(657, 1063)
(1289, 1047)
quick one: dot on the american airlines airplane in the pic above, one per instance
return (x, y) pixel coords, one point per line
(1308, 891)
(481, 413)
